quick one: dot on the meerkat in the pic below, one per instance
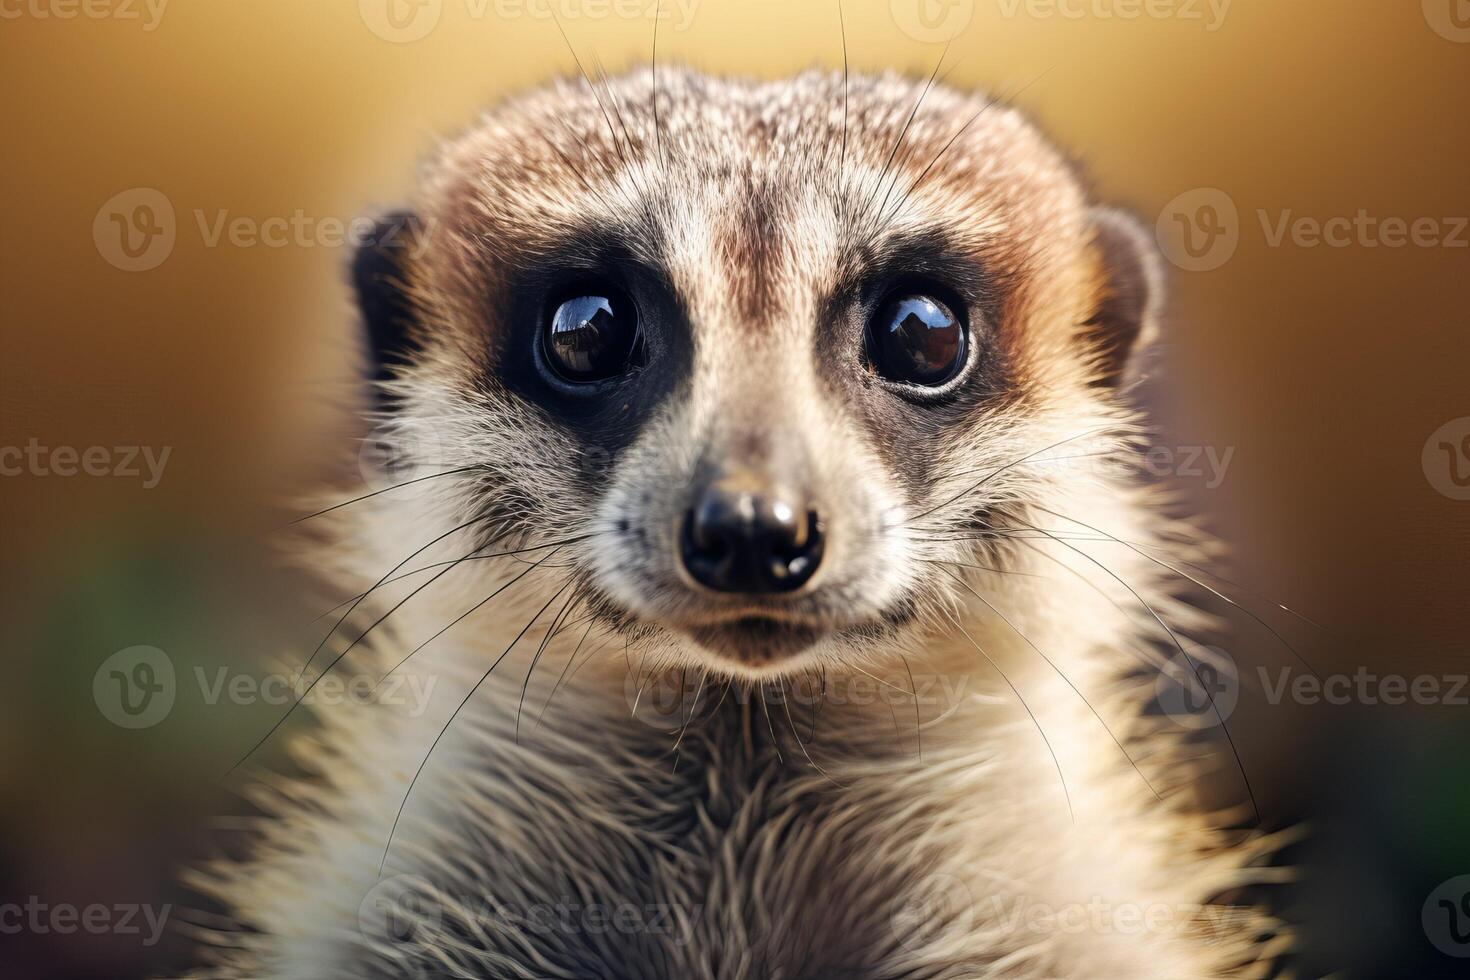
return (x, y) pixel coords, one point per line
(800, 398)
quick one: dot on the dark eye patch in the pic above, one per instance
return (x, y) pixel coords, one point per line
(907, 417)
(629, 347)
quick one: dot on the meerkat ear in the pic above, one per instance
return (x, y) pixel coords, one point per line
(1124, 326)
(380, 276)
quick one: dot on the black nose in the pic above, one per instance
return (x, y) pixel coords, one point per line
(739, 539)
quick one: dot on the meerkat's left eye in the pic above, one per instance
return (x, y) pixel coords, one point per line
(591, 336)
(916, 338)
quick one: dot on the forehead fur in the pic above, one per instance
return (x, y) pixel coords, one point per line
(754, 195)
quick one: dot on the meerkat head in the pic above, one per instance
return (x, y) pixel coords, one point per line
(760, 353)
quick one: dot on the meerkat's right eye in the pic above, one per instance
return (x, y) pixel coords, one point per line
(591, 335)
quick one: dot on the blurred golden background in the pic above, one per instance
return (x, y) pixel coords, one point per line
(252, 132)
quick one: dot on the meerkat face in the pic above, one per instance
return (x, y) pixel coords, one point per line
(760, 353)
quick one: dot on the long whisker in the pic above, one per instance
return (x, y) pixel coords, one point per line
(1248, 591)
(812, 732)
(880, 680)
(566, 160)
(1038, 462)
(846, 98)
(367, 496)
(1187, 658)
(465, 615)
(1039, 730)
(898, 207)
(627, 136)
(786, 703)
(817, 709)
(658, 16)
(591, 622)
(1050, 663)
(455, 714)
(540, 649)
(1157, 662)
(703, 677)
(399, 605)
(597, 96)
(602, 645)
(982, 568)
(343, 618)
(766, 709)
(994, 473)
(338, 659)
(898, 143)
(402, 602)
(638, 696)
(1184, 575)
(466, 558)
(914, 694)
(918, 721)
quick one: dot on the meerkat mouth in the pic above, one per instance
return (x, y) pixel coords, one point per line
(758, 640)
